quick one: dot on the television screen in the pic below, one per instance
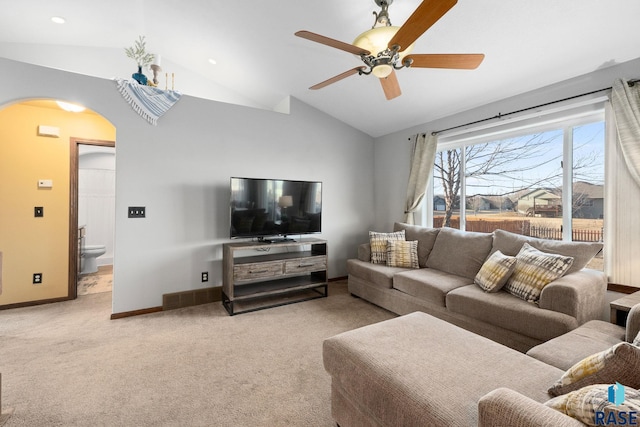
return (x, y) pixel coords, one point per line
(275, 207)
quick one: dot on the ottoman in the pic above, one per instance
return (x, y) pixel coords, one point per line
(418, 370)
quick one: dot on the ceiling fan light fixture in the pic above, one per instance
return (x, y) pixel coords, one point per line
(382, 71)
(377, 39)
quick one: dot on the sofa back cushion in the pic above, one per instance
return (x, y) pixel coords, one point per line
(460, 252)
(581, 252)
(425, 236)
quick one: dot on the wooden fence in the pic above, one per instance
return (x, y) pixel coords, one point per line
(577, 234)
(523, 227)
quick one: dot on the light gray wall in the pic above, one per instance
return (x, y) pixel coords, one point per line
(180, 171)
(392, 152)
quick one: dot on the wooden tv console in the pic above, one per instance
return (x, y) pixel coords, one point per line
(272, 276)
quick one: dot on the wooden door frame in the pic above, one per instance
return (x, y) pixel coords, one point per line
(73, 207)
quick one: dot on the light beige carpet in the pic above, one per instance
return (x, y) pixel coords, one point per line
(67, 364)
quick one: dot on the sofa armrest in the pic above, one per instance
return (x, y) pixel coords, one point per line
(504, 407)
(633, 323)
(364, 252)
(580, 295)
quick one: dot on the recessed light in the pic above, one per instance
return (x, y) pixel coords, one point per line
(58, 19)
(212, 61)
(72, 108)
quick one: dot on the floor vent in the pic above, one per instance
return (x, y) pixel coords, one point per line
(190, 298)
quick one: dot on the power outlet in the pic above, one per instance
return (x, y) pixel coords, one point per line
(37, 278)
(205, 276)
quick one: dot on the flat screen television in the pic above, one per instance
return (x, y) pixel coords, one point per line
(262, 208)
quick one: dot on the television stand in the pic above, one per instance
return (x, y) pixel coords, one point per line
(283, 272)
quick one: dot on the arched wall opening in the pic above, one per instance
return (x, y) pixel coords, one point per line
(38, 209)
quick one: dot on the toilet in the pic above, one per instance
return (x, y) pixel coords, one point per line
(89, 255)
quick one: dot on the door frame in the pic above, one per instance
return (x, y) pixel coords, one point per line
(74, 151)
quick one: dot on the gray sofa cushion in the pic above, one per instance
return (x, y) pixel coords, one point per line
(582, 252)
(378, 275)
(566, 350)
(509, 312)
(428, 284)
(460, 252)
(426, 237)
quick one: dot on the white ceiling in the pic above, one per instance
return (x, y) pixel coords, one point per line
(528, 44)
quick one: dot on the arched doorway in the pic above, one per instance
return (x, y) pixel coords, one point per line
(37, 209)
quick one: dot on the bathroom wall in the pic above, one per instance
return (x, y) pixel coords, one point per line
(97, 197)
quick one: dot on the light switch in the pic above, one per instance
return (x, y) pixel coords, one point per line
(45, 183)
(137, 211)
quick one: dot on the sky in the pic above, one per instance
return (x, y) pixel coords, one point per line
(538, 164)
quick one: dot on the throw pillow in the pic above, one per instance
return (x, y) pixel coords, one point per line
(591, 404)
(378, 242)
(402, 254)
(636, 340)
(582, 252)
(619, 363)
(495, 272)
(535, 270)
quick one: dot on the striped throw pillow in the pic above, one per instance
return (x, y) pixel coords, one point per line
(402, 253)
(535, 270)
(618, 363)
(378, 242)
(583, 404)
(495, 272)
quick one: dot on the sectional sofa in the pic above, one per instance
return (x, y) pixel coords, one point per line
(417, 370)
(444, 284)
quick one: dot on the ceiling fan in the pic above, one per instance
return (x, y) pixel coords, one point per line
(386, 48)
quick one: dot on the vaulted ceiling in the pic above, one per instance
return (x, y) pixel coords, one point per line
(259, 62)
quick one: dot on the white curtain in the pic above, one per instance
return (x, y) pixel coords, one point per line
(423, 154)
(625, 100)
(622, 191)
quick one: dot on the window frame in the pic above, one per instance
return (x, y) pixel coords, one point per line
(564, 117)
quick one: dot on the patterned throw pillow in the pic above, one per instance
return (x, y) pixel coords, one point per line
(618, 363)
(378, 243)
(495, 272)
(402, 253)
(535, 270)
(583, 404)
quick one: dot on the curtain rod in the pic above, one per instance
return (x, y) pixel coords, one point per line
(500, 115)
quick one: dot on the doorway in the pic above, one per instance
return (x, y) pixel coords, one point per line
(36, 212)
(79, 230)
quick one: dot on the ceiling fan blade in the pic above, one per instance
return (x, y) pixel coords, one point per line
(390, 86)
(332, 43)
(420, 21)
(337, 78)
(461, 61)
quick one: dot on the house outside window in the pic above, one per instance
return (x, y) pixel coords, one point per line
(543, 181)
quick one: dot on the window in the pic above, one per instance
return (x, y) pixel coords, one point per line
(543, 181)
